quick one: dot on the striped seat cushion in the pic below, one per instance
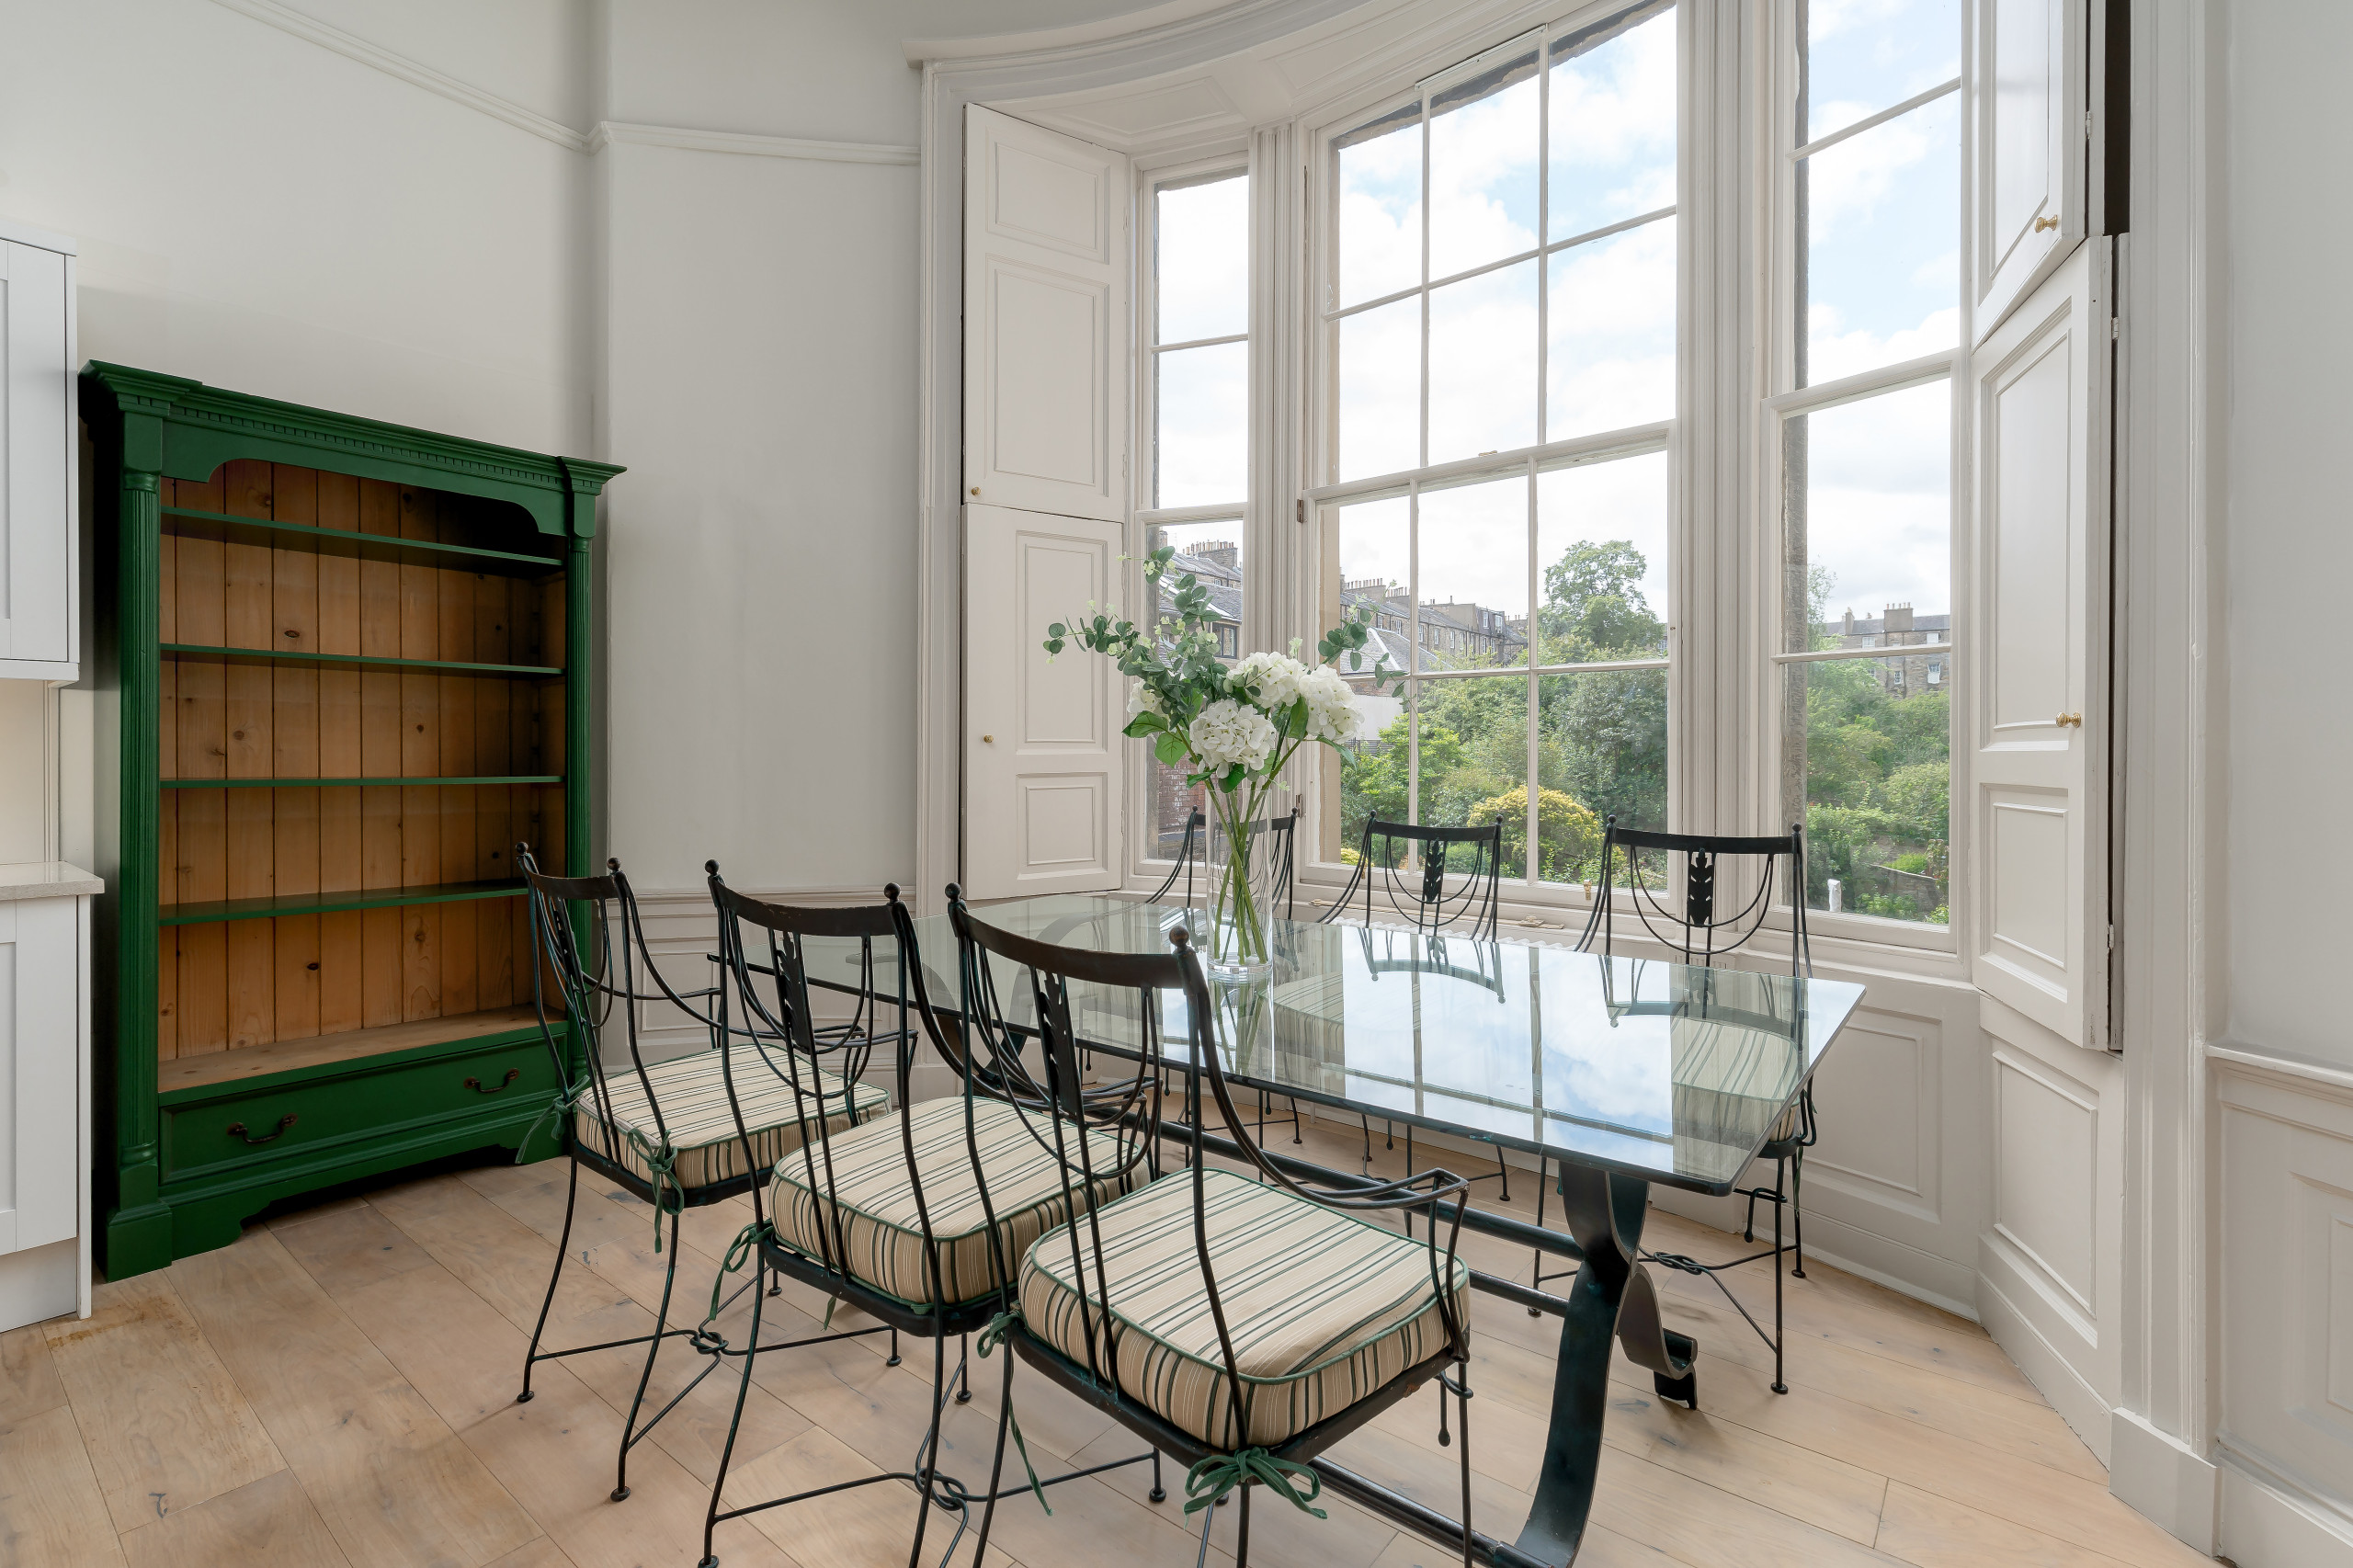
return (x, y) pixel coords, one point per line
(882, 1232)
(693, 1097)
(1325, 1308)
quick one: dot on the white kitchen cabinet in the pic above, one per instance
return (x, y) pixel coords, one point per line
(44, 1091)
(40, 566)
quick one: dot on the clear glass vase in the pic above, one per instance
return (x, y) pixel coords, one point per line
(1240, 860)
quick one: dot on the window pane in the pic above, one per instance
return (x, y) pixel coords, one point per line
(1613, 126)
(1601, 561)
(1870, 512)
(1861, 59)
(1202, 458)
(1474, 755)
(1611, 316)
(1878, 273)
(1474, 576)
(1483, 137)
(1600, 751)
(1865, 743)
(1367, 569)
(1381, 390)
(1211, 552)
(1381, 207)
(1483, 363)
(1879, 766)
(1202, 267)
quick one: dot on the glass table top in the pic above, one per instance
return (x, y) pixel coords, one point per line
(1665, 1071)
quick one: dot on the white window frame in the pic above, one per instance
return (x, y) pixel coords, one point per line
(1318, 130)
(1779, 152)
(1145, 867)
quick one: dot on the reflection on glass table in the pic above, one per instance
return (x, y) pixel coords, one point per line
(1657, 1070)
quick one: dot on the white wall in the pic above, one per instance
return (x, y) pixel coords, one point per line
(2282, 1114)
(2290, 552)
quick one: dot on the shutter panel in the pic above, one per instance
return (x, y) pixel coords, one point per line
(1045, 320)
(1043, 752)
(2038, 700)
(2028, 131)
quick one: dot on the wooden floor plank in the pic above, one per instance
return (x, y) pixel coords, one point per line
(540, 1554)
(1935, 1532)
(28, 1384)
(506, 1263)
(391, 1479)
(268, 1523)
(874, 1523)
(165, 1424)
(53, 1512)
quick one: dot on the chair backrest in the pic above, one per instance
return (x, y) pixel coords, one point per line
(573, 925)
(1144, 980)
(1282, 835)
(772, 1036)
(1695, 923)
(1434, 878)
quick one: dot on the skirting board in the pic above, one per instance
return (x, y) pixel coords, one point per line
(39, 1283)
(2266, 1524)
(2151, 1471)
(2078, 1403)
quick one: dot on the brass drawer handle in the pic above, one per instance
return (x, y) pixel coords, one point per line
(475, 1083)
(237, 1129)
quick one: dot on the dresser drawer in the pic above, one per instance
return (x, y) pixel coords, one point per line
(493, 1085)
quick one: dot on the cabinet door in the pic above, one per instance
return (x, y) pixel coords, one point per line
(40, 1043)
(40, 569)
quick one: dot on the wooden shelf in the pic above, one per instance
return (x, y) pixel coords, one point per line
(332, 902)
(185, 522)
(189, 653)
(287, 1055)
(350, 783)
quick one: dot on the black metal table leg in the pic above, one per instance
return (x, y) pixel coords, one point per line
(1612, 1299)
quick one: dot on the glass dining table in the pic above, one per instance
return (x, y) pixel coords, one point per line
(1617, 1072)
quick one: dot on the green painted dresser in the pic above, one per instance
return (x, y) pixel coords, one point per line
(348, 665)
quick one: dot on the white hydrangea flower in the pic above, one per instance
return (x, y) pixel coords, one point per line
(1332, 710)
(1278, 679)
(1228, 731)
(1142, 698)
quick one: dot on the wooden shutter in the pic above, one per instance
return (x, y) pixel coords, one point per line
(39, 577)
(2030, 131)
(2038, 700)
(1046, 326)
(1044, 752)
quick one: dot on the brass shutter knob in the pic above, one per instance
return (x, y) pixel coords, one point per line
(2043, 223)
(988, 740)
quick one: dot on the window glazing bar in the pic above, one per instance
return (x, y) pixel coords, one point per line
(1633, 441)
(1866, 383)
(1466, 274)
(1514, 672)
(1167, 515)
(1871, 121)
(1200, 342)
(1897, 651)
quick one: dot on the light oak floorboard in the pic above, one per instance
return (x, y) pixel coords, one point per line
(51, 1513)
(267, 1523)
(391, 1480)
(28, 1384)
(1935, 1532)
(165, 1424)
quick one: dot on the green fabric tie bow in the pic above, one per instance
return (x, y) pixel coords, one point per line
(1215, 1476)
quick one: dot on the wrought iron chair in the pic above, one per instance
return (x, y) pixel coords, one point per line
(1202, 1312)
(1700, 934)
(1414, 881)
(663, 1130)
(1189, 850)
(909, 1218)
(1415, 884)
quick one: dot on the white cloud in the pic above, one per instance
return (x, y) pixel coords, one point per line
(1203, 265)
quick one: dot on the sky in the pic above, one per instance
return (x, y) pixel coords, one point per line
(1883, 270)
